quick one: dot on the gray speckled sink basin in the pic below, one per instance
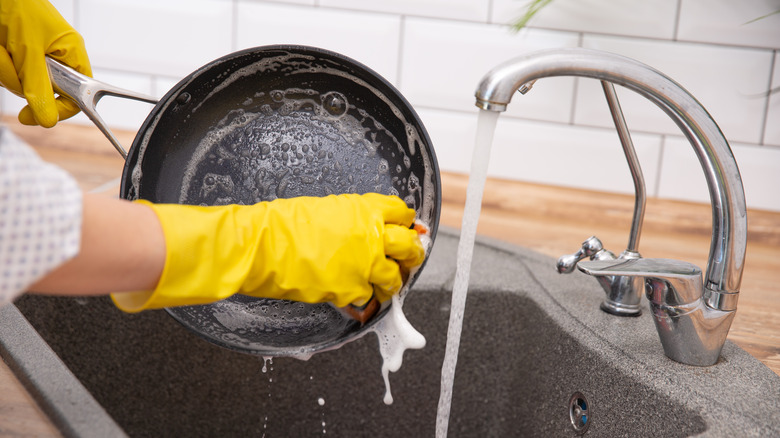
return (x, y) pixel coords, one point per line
(532, 339)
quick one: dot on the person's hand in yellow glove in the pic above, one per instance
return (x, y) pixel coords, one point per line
(340, 249)
(29, 31)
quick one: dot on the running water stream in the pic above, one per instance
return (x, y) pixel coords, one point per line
(486, 125)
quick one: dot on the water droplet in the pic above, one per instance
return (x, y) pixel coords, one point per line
(414, 183)
(266, 361)
(335, 103)
(277, 95)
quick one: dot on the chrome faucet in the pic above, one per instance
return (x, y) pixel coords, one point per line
(692, 314)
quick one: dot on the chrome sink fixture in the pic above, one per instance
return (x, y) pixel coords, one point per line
(692, 316)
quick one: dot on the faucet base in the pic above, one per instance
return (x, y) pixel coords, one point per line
(692, 334)
(620, 309)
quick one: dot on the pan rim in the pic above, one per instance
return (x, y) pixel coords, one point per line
(135, 159)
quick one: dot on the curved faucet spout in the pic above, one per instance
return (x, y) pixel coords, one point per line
(729, 236)
(723, 276)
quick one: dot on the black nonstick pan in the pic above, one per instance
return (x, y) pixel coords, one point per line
(265, 123)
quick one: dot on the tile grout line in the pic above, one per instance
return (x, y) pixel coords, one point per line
(659, 170)
(768, 100)
(678, 13)
(400, 53)
(234, 27)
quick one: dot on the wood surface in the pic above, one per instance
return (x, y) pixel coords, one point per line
(551, 220)
(20, 416)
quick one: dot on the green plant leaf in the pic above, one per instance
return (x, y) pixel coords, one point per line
(762, 17)
(531, 9)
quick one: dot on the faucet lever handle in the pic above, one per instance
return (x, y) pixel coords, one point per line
(682, 279)
(591, 247)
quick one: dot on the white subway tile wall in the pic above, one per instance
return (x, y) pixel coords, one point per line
(469, 10)
(730, 82)
(165, 37)
(299, 2)
(758, 166)
(730, 22)
(436, 51)
(683, 178)
(681, 174)
(369, 38)
(451, 129)
(649, 19)
(65, 7)
(443, 61)
(532, 148)
(772, 134)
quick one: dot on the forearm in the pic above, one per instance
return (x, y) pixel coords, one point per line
(122, 249)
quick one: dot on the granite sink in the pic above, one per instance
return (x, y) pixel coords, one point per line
(537, 358)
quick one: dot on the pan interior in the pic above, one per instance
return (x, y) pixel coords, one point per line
(281, 122)
(294, 148)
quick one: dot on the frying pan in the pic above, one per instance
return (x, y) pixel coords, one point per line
(264, 123)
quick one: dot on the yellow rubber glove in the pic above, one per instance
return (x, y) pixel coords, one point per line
(341, 249)
(30, 30)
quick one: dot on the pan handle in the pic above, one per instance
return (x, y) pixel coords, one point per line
(86, 92)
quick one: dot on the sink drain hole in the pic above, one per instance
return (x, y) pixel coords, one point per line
(579, 413)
